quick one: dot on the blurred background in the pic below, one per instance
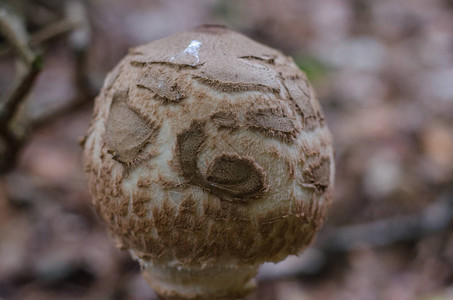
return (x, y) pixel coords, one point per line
(383, 72)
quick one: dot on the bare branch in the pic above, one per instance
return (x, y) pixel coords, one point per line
(79, 38)
(48, 116)
(434, 218)
(10, 103)
(10, 144)
(12, 28)
(14, 31)
(52, 30)
(76, 22)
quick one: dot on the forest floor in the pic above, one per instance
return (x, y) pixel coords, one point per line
(383, 72)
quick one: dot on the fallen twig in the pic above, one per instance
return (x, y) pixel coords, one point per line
(433, 218)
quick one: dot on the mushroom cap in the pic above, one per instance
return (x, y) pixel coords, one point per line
(207, 151)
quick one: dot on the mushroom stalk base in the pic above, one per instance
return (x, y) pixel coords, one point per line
(216, 282)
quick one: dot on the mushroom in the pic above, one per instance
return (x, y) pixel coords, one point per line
(208, 155)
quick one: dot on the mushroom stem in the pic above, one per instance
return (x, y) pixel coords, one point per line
(216, 282)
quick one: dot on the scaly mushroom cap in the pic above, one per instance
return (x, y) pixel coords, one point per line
(208, 154)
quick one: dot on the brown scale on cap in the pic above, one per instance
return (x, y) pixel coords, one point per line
(225, 120)
(268, 59)
(162, 83)
(232, 87)
(233, 177)
(127, 133)
(229, 176)
(188, 147)
(273, 123)
(208, 155)
(319, 174)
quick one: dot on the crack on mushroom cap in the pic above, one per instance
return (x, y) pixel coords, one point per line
(127, 131)
(230, 176)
